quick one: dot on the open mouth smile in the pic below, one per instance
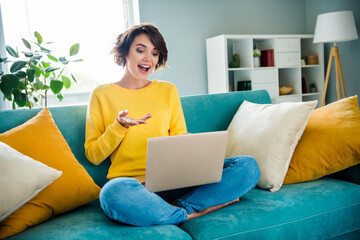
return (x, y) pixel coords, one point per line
(144, 68)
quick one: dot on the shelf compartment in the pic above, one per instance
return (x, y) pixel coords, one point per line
(313, 75)
(289, 77)
(237, 76)
(243, 47)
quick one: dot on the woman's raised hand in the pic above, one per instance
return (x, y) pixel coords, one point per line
(127, 121)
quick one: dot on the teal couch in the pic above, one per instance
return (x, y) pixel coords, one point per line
(328, 208)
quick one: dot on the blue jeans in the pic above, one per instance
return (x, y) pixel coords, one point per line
(126, 200)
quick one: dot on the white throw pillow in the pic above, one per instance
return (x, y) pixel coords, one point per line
(21, 179)
(269, 133)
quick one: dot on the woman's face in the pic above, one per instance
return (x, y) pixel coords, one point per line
(142, 57)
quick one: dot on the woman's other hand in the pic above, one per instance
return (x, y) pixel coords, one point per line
(127, 121)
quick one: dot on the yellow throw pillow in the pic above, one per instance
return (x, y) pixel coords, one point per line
(330, 142)
(40, 139)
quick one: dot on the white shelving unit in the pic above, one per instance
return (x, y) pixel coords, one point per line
(288, 71)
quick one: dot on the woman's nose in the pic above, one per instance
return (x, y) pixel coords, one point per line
(147, 56)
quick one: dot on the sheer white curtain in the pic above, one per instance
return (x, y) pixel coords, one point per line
(3, 105)
(94, 24)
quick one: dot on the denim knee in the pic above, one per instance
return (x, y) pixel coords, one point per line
(112, 195)
(253, 170)
(248, 167)
(127, 201)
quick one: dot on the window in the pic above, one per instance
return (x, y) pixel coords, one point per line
(94, 24)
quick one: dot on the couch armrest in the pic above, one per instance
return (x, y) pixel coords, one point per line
(351, 174)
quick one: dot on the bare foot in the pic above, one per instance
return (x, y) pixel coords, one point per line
(210, 209)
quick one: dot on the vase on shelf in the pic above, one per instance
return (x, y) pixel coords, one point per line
(256, 61)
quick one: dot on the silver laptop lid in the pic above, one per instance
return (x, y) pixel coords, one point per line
(185, 160)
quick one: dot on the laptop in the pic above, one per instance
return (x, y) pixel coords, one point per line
(184, 160)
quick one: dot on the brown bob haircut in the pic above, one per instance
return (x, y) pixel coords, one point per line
(124, 41)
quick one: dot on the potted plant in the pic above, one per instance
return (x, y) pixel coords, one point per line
(313, 88)
(34, 73)
(257, 55)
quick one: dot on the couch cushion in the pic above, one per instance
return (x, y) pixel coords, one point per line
(89, 222)
(40, 139)
(269, 133)
(314, 210)
(330, 143)
(71, 122)
(21, 179)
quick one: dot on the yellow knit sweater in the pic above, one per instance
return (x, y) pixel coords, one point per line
(127, 146)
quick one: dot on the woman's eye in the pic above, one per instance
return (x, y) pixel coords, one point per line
(155, 54)
(139, 51)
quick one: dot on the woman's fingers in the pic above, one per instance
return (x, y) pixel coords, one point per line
(123, 113)
(146, 117)
(126, 121)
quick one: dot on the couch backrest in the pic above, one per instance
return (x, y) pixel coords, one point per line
(214, 112)
(203, 113)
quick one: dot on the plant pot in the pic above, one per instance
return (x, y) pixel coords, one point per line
(256, 62)
(313, 89)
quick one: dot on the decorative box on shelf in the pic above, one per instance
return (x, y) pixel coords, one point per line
(267, 58)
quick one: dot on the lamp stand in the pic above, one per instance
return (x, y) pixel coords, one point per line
(334, 53)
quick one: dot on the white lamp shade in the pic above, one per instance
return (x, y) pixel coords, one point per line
(335, 27)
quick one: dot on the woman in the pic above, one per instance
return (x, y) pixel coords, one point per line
(123, 115)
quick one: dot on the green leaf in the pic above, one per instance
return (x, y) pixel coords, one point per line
(52, 58)
(56, 86)
(19, 98)
(35, 99)
(73, 78)
(74, 49)
(28, 104)
(63, 60)
(30, 73)
(22, 84)
(12, 52)
(9, 97)
(38, 37)
(78, 60)
(8, 83)
(46, 87)
(37, 57)
(28, 54)
(60, 97)
(66, 81)
(37, 70)
(3, 60)
(17, 66)
(26, 43)
(20, 74)
(38, 84)
(50, 69)
(45, 65)
(45, 50)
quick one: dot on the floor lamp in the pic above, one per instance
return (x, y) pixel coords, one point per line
(335, 27)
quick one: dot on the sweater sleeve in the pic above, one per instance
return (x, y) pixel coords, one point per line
(177, 124)
(100, 140)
